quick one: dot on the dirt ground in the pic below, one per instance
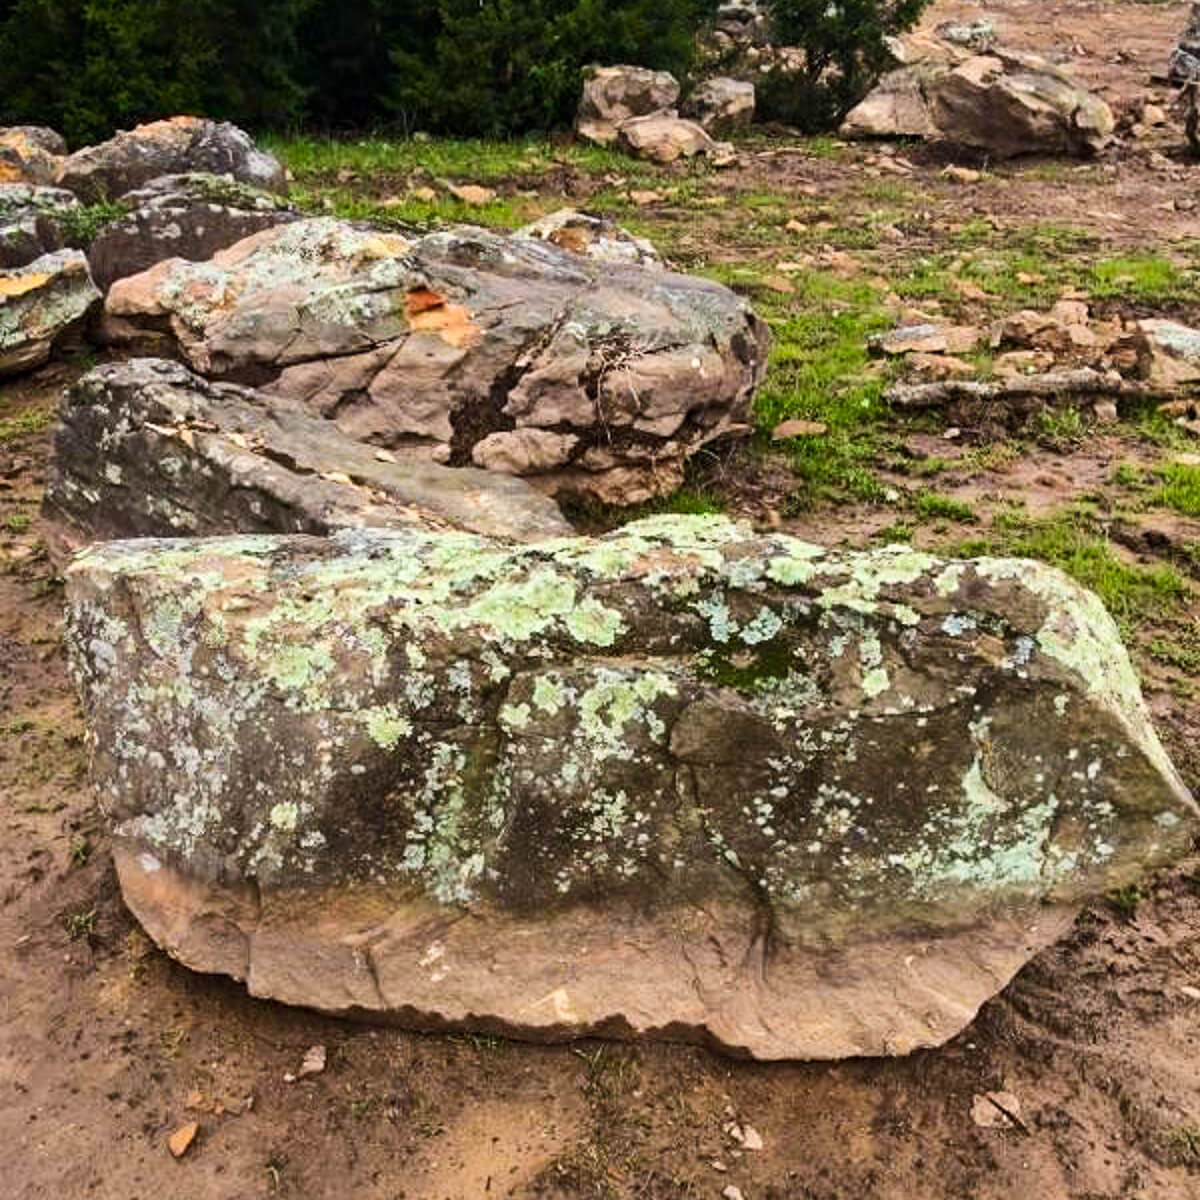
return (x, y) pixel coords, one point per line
(107, 1047)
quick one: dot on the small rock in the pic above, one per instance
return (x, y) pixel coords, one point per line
(645, 199)
(940, 366)
(314, 1062)
(794, 226)
(992, 1109)
(961, 174)
(718, 1166)
(181, 1140)
(1190, 992)
(798, 428)
(733, 1193)
(1153, 114)
(1106, 412)
(424, 193)
(472, 194)
(751, 1138)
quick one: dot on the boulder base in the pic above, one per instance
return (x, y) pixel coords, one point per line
(679, 780)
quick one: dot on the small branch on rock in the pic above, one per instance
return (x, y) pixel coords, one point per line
(1081, 382)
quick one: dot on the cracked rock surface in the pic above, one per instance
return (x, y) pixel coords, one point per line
(40, 303)
(147, 448)
(680, 779)
(433, 346)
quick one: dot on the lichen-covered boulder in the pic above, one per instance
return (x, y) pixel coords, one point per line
(679, 780)
(611, 95)
(434, 345)
(30, 154)
(134, 157)
(148, 449)
(31, 222)
(41, 303)
(188, 216)
(593, 237)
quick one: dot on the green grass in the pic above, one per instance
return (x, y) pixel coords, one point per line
(1180, 489)
(930, 506)
(80, 225)
(18, 522)
(25, 424)
(1142, 277)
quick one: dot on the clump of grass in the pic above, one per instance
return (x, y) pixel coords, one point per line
(1125, 900)
(1180, 489)
(1143, 277)
(28, 423)
(932, 506)
(18, 522)
(81, 225)
(1060, 428)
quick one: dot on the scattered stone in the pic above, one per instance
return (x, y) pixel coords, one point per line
(30, 154)
(938, 366)
(1022, 362)
(1005, 102)
(30, 222)
(1153, 115)
(961, 174)
(745, 1136)
(1192, 993)
(180, 1142)
(432, 345)
(732, 1193)
(569, 736)
(612, 95)
(722, 106)
(996, 1110)
(314, 1062)
(40, 304)
(798, 428)
(593, 237)
(175, 146)
(472, 194)
(182, 216)
(645, 198)
(184, 456)
(926, 338)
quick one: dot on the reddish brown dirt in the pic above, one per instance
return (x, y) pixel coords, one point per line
(106, 1046)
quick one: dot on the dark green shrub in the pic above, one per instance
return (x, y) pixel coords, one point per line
(845, 52)
(507, 66)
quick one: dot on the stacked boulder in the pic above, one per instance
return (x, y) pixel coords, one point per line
(634, 108)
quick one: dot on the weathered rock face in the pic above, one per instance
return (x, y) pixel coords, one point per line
(134, 157)
(593, 237)
(678, 780)
(722, 105)
(432, 346)
(611, 95)
(39, 304)
(182, 216)
(1184, 65)
(148, 449)
(30, 222)
(30, 154)
(666, 137)
(1005, 102)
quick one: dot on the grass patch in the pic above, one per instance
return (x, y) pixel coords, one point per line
(930, 506)
(1145, 277)
(1180, 489)
(25, 424)
(81, 225)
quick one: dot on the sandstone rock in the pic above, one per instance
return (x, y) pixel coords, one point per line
(1168, 353)
(39, 304)
(722, 106)
(1005, 102)
(30, 222)
(611, 95)
(665, 137)
(593, 237)
(30, 154)
(148, 449)
(679, 780)
(434, 344)
(134, 157)
(188, 216)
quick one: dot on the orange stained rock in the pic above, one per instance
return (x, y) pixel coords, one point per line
(431, 312)
(20, 284)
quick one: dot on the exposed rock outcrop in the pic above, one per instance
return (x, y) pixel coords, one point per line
(30, 154)
(134, 157)
(147, 448)
(188, 216)
(40, 303)
(679, 780)
(433, 345)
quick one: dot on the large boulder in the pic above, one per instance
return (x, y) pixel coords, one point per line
(433, 345)
(134, 157)
(722, 106)
(666, 137)
(30, 154)
(612, 95)
(1004, 102)
(680, 780)
(147, 448)
(41, 303)
(31, 222)
(188, 216)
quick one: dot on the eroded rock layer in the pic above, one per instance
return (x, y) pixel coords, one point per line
(680, 779)
(436, 345)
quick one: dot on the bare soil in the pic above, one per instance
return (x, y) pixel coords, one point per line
(107, 1046)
